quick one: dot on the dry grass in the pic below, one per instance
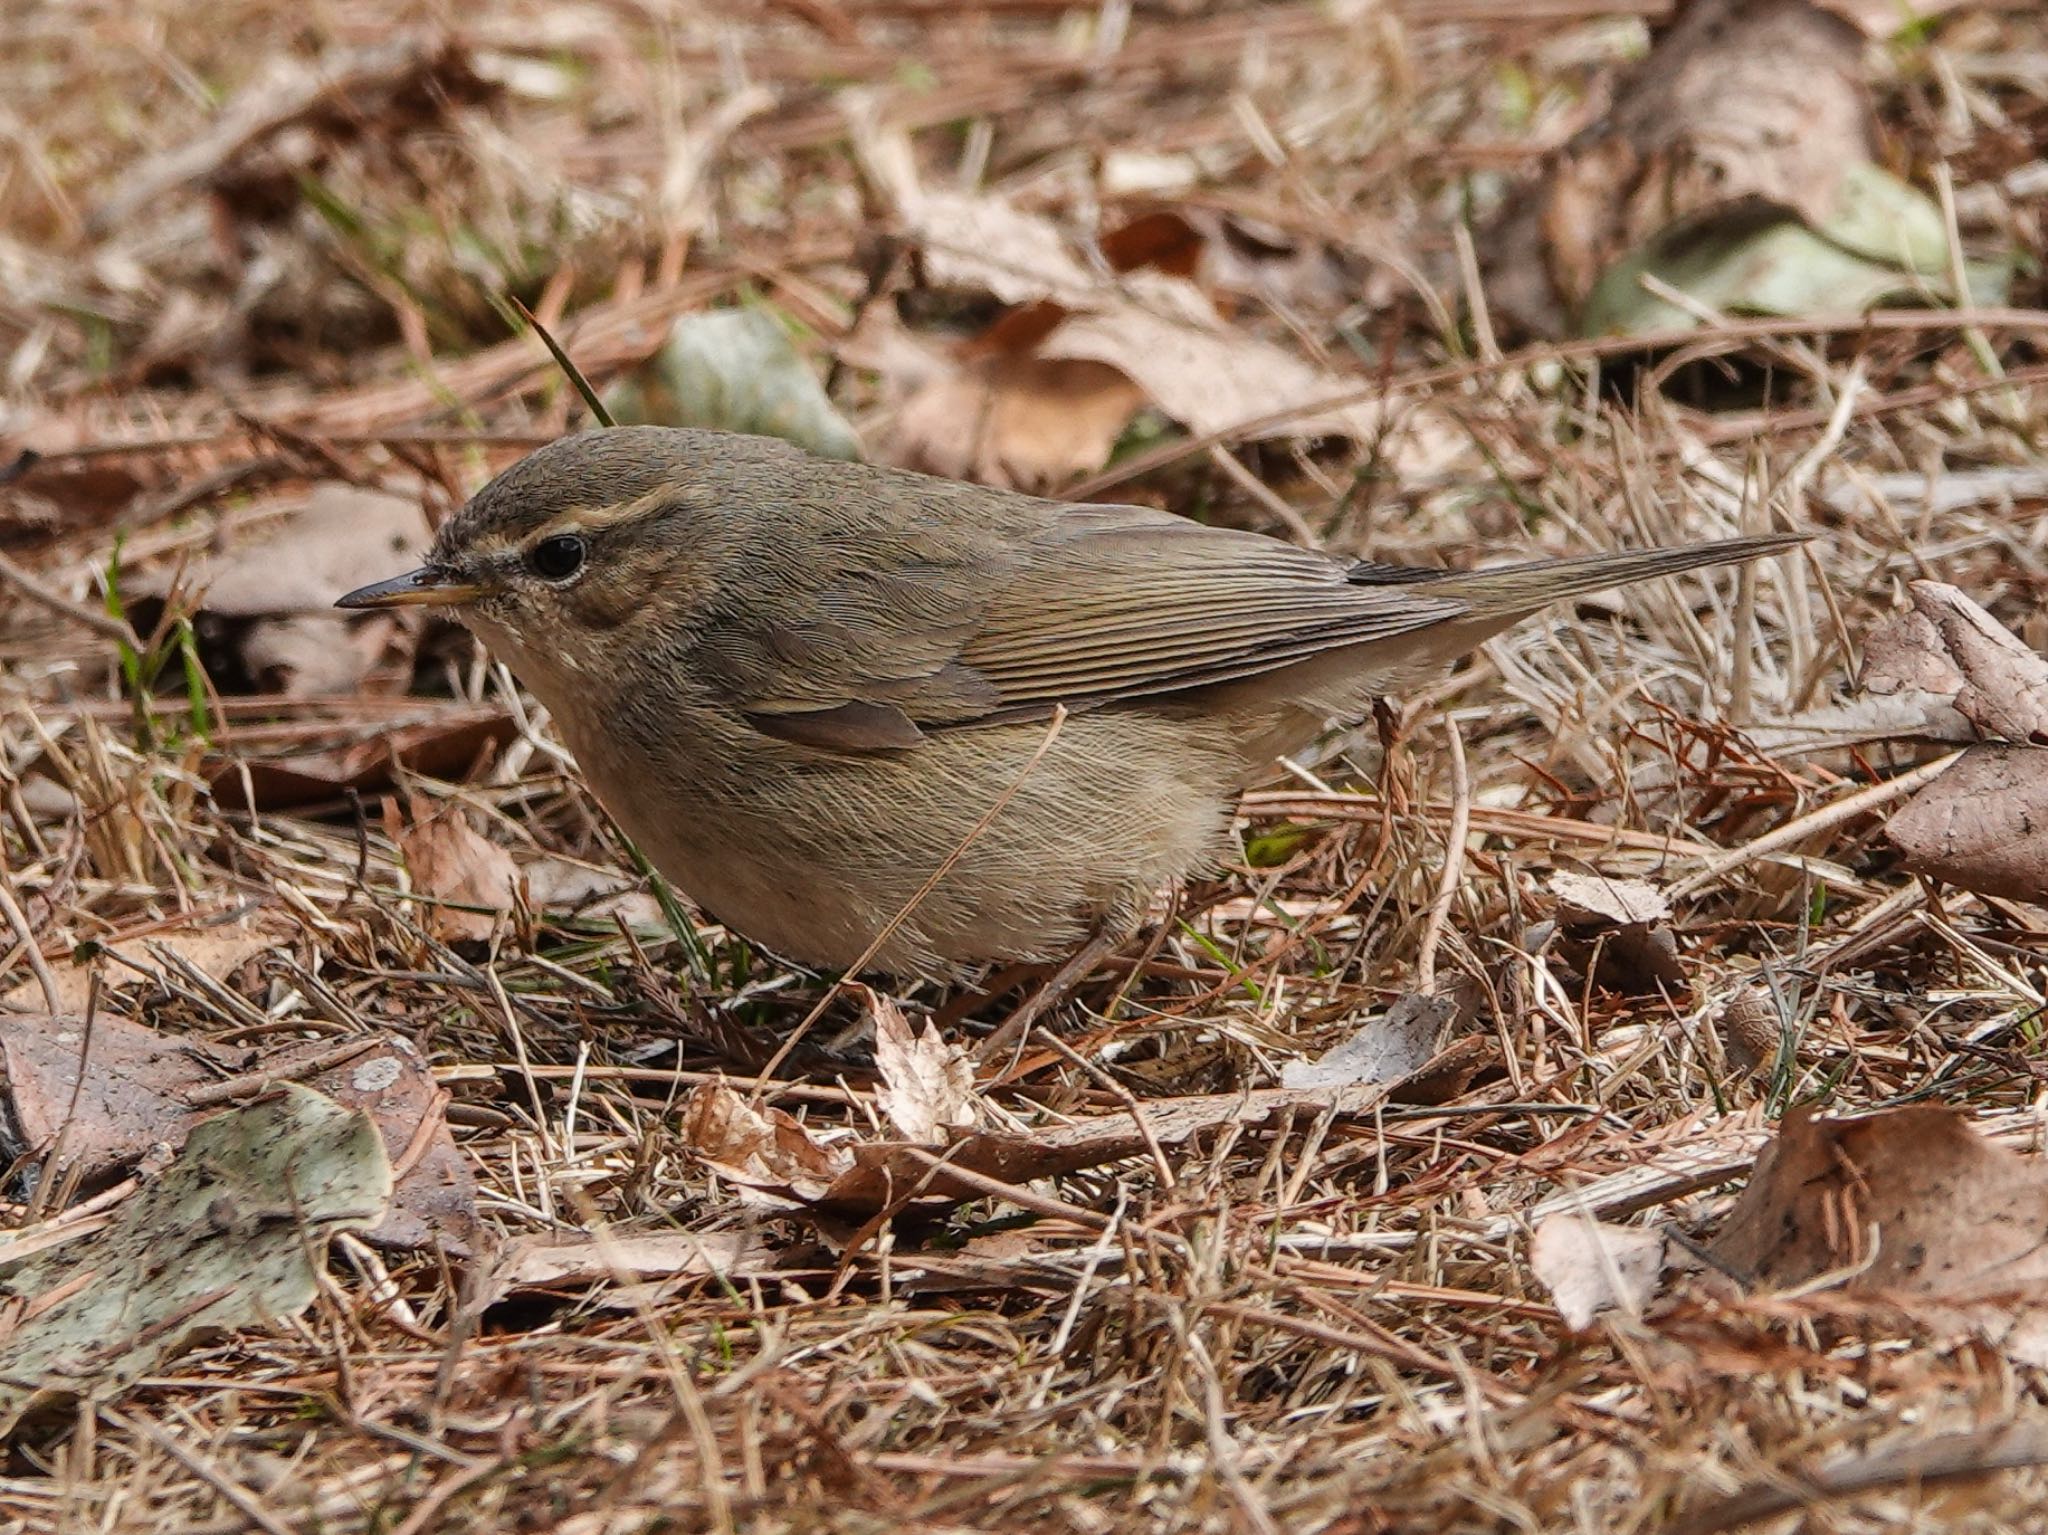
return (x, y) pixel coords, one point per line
(1325, 1324)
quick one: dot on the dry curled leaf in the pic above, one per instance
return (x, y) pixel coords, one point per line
(763, 1150)
(1046, 391)
(1982, 825)
(1389, 1048)
(1911, 714)
(1445, 1076)
(1909, 1204)
(1949, 645)
(568, 890)
(433, 1206)
(1735, 165)
(1214, 380)
(977, 244)
(927, 1084)
(471, 881)
(1591, 1266)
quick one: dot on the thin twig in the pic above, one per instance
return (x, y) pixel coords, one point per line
(1123, 1095)
(1455, 838)
(290, 1067)
(244, 1501)
(32, 587)
(1266, 496)
(18, 920)
(1824, 819)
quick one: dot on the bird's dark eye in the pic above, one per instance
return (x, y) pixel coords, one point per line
(557, 558)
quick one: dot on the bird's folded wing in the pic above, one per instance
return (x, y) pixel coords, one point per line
(1100, 605)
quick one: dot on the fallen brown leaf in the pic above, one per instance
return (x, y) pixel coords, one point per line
(762, 1151)
(137, 1100)
(215, 952)
(434, 1203)
(1906, 657)
(49, 491)
(1000, 1261)
(1446, 1075)
(1214, 380)
(1910, 714)
(576, 1261)
(1909, 1204)
(1982, 825)
(471, 881)
(1740, 105)
(326, 768)
(266, 606)
(565, 889)
(927, 1084)
(1048, 388)
(1620, 929)
(1388, 1049)
(1235, 254)
(1949, 645)
(1029, 422)
(1598, 899)
(1751, 1027)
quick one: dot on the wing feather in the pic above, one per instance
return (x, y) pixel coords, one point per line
(1081, 607)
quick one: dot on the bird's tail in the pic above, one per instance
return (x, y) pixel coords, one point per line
(1512, 590)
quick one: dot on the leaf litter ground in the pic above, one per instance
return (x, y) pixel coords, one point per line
(1245, 1235)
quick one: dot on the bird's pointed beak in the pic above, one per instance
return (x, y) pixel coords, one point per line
(429, 586)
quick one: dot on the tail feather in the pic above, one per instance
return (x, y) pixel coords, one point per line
(1518, 589)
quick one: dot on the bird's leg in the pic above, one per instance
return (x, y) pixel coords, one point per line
(1076, 969)
(1393, 787)
(1387, 721)
(959, 1007)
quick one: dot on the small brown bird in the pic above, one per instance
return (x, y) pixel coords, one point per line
(802, 685)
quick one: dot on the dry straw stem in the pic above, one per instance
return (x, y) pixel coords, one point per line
(1455, 833)
(1847, 808)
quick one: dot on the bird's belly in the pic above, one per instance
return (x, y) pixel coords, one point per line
(816, 856)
